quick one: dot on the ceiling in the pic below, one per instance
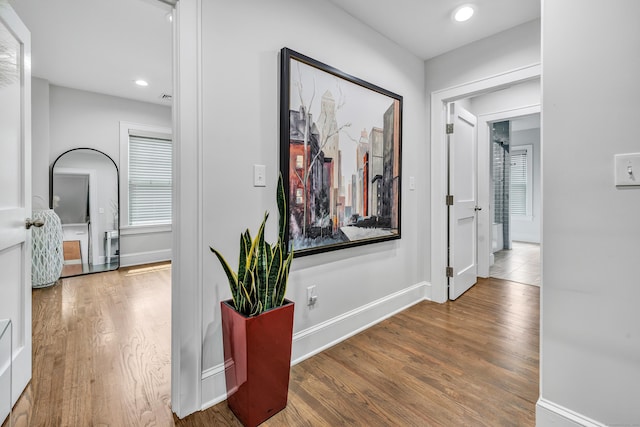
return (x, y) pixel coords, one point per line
(105, 45)
(101, 45)
(425, 27)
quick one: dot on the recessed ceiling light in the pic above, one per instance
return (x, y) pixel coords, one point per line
(463, 13)
(142, 83)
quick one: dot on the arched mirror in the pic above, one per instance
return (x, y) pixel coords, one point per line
(85, 195)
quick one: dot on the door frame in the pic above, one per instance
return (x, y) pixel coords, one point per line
(439, 101)
(484, 178)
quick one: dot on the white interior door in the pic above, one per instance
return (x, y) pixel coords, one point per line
(463, 186)
(15, 199)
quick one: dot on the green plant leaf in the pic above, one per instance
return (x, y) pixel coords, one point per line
(231, 275)
(275, 276)
(263, 269)
(285, 278)
(245, 245)
(281, 199)
(261, 262)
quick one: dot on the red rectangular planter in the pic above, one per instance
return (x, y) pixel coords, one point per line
(257, 355)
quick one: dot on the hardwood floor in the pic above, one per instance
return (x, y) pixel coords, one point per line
(472, 362)
(102, 350)
(102, 346)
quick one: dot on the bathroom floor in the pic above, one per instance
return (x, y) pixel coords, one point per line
(519, 264)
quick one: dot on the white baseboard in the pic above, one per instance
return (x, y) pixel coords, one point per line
(526, 238)
(428, 291)
(214, 389)
(127, 260)
(320, 337)
(549, 414)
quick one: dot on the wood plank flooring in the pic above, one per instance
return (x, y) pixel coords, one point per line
(102, 346)
(102, 350)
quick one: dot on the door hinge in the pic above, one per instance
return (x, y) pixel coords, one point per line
(449, 200)
(449, 271)
(449, 128)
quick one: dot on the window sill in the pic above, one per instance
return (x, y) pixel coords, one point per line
(528, 218)
(145, 229)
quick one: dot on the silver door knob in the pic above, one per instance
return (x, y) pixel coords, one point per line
(33, 223)
(477, 208)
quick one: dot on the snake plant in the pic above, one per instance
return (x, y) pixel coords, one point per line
(263, 268)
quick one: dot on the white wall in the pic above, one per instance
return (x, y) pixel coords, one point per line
(505, 51)
(240, 97)
(528, 229)
(591, 233)
(40, 143)
(75, 118)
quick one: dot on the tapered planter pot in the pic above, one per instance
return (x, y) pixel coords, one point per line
(257, 354)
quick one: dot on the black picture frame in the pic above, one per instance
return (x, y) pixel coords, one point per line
(340, 157)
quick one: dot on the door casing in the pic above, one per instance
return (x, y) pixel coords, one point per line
(439, 101)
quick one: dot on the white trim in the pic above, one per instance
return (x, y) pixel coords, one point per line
(148, 257)
(322, 336)
(145, 229)
(186, 272)
(484, 179)
(549, 413)
(214, 385)
(125, 128)
(439, 99)
(313, 340)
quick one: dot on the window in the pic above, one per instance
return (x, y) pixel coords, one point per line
(520, 191)
(145, 175)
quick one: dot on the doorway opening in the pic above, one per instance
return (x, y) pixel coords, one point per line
(515, 199)
(493, 88)
(117, 321)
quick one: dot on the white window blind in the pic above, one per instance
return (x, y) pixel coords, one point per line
(149, 180)
(520, 188)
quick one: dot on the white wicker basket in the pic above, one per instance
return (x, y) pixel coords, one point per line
(46, 256)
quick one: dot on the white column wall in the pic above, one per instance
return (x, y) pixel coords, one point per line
(590, 370)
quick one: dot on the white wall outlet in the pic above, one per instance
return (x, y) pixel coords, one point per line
(312, 298)
(259, 176)
(412, 183)
(627, 169)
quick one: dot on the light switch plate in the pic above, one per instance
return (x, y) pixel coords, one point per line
(627, 169)
(259, 176)
(412, 183)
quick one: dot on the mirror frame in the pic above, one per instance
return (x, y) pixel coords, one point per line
(51, 171)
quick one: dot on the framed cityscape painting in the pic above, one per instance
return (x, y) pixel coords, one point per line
(340, 157)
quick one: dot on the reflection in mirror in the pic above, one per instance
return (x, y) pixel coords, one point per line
(85, 195)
